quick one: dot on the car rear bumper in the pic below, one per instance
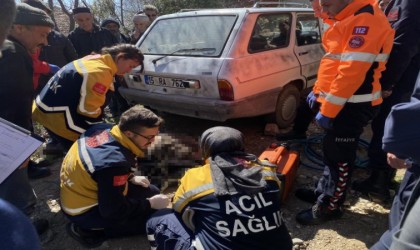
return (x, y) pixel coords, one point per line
(204, 108)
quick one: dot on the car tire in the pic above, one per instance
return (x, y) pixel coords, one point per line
(287, 105)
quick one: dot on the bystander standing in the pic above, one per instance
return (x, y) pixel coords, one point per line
(88, 37)
(30, 29)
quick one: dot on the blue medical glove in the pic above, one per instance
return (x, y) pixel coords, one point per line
(311, 99)
(54, 68)
(323, 121)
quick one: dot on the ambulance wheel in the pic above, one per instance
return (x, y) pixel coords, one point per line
(287, 105)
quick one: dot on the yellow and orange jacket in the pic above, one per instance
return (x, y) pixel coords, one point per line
(95, 173)
(75, 97)
(357, 47)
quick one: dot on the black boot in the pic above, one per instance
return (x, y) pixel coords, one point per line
(377, 185)
(318, 214)
(306, 194)
(88, 238)
(53, 148)
(37, 172)
(291, 135)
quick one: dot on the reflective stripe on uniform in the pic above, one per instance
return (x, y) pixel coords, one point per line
(64, 109)
(196, 243)
(266, 173)
(151, 237)
(85, 155)
(83, 91)
(93, 123)
(358, 56)
(191, 193)
(366, 97)
(76, 210)
(353, 99)
(206, 187)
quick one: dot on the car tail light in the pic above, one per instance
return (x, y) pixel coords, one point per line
(225, 90)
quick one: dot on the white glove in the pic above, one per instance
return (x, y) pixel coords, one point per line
(159, 201)
(140, 180)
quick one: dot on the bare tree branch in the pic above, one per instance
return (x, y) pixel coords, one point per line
(86, 4)
(68, 12)
(51, 6)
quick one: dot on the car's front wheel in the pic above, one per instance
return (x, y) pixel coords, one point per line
(287, 105)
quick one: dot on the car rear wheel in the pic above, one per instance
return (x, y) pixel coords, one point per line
(286, 107)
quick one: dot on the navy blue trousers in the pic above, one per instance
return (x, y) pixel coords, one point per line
(166, 231)
(131, 225)
(398, 208)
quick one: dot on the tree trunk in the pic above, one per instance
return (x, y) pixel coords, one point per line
(69, 13)
(51, 6)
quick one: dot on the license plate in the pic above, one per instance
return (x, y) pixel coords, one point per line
(165, 82)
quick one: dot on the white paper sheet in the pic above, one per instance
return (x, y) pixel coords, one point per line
(16, 145)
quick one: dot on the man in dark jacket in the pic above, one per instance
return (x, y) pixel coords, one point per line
(402, 139)
(88, 37)
(29, 31)
(397, 84)
(59, 51)
(114, 26)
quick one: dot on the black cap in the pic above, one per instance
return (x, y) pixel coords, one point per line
(28, 15)
(81, 10)
(109, 20)
(38, 4)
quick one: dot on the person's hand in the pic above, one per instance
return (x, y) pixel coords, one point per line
(396, 162)
(311, 99)
(140, 180)
(323, 121)
(159, 201)
(386, 93)
(53, 68)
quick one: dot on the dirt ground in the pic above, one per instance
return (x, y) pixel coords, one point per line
(360, 227)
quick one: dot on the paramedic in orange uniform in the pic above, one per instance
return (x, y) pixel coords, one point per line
(348, 92)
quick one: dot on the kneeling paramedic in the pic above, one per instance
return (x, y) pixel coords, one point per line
(232, 202)
(99, 193)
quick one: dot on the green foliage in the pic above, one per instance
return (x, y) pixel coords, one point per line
(104, 9)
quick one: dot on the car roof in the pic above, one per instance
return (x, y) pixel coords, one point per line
(242, 11)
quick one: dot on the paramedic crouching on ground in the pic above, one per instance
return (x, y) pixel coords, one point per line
(232, 202)
(76, 96)
(99, 194)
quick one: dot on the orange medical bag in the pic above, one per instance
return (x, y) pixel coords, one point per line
(287, 162)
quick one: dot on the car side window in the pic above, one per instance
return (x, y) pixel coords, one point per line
(307, 30)
(270, 31)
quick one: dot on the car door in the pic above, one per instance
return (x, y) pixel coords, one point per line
(261, 65)
(308, 47)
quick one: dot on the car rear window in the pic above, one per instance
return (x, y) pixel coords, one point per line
(189, 36)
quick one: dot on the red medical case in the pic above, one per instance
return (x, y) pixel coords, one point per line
(287, 162)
